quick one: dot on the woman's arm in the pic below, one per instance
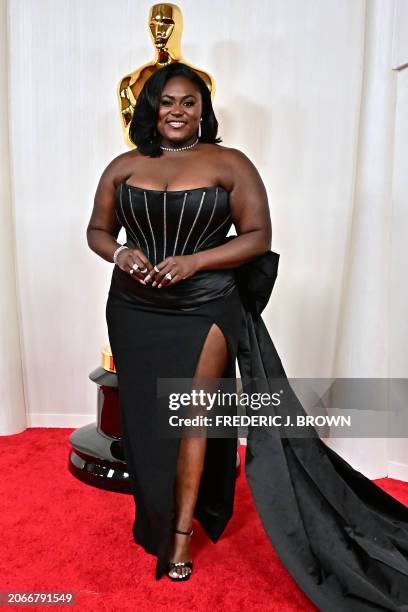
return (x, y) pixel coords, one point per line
(103, 227)
(250, 215)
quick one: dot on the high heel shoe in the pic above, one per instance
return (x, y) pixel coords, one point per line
(174, 564)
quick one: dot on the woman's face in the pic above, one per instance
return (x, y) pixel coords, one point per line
(180, 110)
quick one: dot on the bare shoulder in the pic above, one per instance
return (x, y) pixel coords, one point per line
(120, 167)
(248, 198)
(240, 167)
(236, 157)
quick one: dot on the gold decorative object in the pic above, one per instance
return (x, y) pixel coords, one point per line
(107, 359)
(166, 28)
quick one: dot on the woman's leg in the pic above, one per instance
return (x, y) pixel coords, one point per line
(211, 364)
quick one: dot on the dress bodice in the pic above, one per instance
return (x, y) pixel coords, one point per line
(163, 223)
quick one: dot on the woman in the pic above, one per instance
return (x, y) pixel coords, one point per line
(173, 304)
(184, 303)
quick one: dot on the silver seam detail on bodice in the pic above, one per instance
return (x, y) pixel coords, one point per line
(199, 219)
(194, 222)
(164, 225)
(179, 223)
(125, 218)
(213, 232)
(209, 221)
(150, 225)
(137, 223)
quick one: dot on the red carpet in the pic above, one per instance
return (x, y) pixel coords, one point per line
(59, 534)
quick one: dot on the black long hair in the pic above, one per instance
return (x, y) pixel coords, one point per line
(142, 129)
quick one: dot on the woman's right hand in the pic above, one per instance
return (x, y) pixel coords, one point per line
(128, 259)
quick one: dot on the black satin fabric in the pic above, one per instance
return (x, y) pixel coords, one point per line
(150, 342)
(342, 538)
(164, 223)
(190, 294)
(160, 333)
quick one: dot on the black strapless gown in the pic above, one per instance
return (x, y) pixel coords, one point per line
(342, 538)
(160, 333)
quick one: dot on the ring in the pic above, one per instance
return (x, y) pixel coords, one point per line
(168, 276)
(156, 268)
(135, 267)
(143, 271)
(131, 271)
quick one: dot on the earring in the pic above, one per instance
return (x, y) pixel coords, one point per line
(199, 127)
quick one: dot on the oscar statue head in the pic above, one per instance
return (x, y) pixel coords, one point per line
(165, 21)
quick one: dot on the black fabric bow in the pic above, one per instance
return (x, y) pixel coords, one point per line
(256, 279)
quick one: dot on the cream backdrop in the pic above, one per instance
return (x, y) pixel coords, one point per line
(308, 89)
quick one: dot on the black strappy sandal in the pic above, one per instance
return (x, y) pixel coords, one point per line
(173, 564)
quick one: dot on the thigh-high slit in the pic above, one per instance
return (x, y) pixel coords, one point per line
(147, 344)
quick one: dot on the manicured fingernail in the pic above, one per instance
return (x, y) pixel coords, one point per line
(159, 286)
(141, 281)
(154, 283)
(147, 278)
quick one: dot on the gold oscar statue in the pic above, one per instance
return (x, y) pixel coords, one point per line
(166, 27)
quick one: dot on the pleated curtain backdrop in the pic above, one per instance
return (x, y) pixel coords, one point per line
(312, 92)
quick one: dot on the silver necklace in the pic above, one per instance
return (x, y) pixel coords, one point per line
(179, 148)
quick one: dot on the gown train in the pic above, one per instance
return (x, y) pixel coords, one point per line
(343, 539)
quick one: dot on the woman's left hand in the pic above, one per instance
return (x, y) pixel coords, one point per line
(179, 266)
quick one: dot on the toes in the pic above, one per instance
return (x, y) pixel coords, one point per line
(179, 572)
